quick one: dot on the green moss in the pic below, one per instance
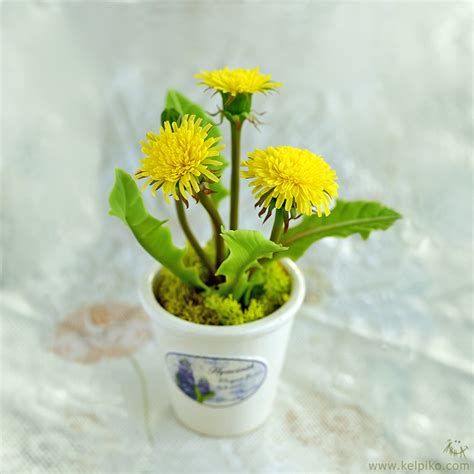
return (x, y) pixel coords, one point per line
(228, 311)
(269, 293)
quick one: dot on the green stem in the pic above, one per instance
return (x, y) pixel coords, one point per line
(277, 226)
(146, 401)
(217, 224)
(235, 129)
(190, 236)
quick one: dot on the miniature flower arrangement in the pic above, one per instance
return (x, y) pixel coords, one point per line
(240, 279)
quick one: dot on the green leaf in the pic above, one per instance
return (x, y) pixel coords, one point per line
(197, 392)
(246, 247)
(200, 397)
(177, 101)
(208, 396)
(126, 203)
(347, 218)
(255, 279)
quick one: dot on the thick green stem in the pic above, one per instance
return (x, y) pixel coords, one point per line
(277, 226)
(217, 224)
(191, 238)
(235, 128)
(146, 401)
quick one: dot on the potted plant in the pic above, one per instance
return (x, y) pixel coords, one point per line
(223, 311)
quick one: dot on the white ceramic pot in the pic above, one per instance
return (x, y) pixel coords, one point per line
(222, 380)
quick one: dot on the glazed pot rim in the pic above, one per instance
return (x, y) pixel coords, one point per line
(255, 328)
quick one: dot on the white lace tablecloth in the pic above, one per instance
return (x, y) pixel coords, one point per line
(379, 367)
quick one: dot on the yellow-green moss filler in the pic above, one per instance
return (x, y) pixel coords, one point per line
(212, 309)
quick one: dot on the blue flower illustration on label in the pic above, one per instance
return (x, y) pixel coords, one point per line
(216, 381)
(200, 391)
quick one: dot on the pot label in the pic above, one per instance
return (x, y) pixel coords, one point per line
(216, 381)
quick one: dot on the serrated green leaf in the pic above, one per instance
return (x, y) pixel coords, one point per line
(177, 101)
(126, 203)
(246, 247)
(347, 218)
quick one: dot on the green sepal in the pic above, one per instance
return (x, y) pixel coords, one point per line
(246, 247)
(236, 108)
(126, 203)
(347, 218)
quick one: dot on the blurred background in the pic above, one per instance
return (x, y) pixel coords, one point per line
(379, 367)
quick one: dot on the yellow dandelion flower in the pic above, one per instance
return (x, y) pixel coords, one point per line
(178, 159)
(237, 81)
(294, 178)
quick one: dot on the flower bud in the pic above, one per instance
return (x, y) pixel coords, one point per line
(236, 107)
(170, 115)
